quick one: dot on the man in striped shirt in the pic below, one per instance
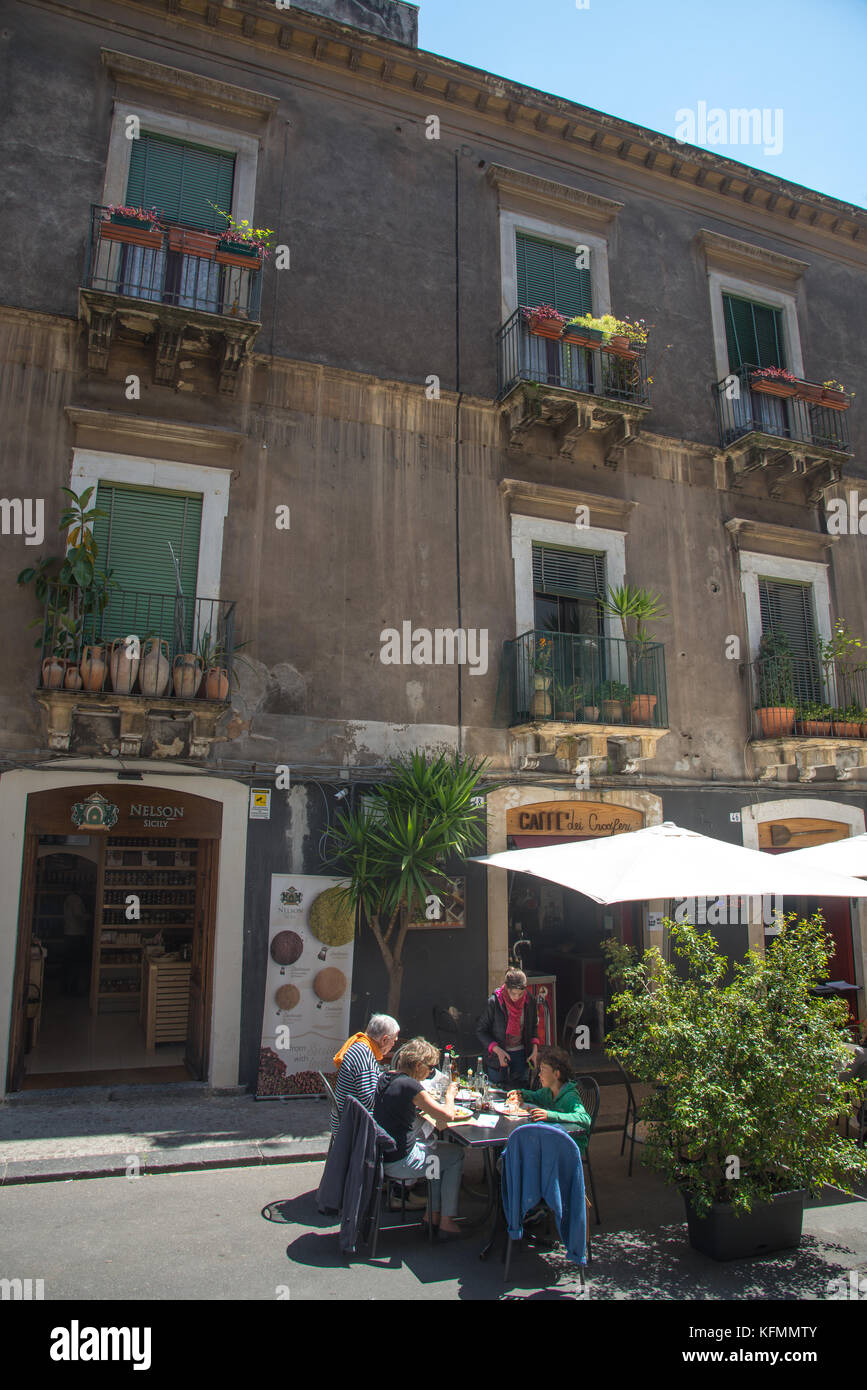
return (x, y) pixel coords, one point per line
(358, 1062)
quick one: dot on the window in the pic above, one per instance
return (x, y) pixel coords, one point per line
(787, 611)
(181, 181)
(135, 541)
(567, 587)
(754, 334)
(547, 274)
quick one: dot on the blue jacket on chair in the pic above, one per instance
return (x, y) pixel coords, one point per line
(542, 1163)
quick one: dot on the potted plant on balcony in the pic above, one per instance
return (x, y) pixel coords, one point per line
(241, 244)
(809, 391)
(133, 226)
(847, 721)
(544, 320)
(835, 396)
(543, 654)
(615, 697)
(844, 662)
(583, 331)
(745, 1064)
(774, 381)
(635, 608)
(776, 707)
(814, 718)
(213, 653)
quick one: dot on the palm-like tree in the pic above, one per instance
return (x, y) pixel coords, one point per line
(394, 851)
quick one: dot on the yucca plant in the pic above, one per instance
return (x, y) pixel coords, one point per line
(395, 850)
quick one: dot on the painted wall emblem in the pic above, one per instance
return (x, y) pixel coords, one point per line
(95, 812)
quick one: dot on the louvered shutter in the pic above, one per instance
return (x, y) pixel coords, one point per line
(133, 541)
(181, 181)
(567, 573)
(547, 274)
(753, 334)
(787, 608)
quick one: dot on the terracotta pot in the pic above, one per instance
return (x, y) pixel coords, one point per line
(53, 672)
(93, 667)
(247, 260)
(545, 328)
(612, 711)
(142, 234)
(835, 400)
(591, 714)
(776, 720)
(768, 386)
(619, 341)
(187, 675)
(641, 709)
(216, 683)
(191, 243)
(155, 669)
(72, 679)
(540, 705)
(124, 669)
(816, 728)
(807, 391)
(583, 337)
(844, 728)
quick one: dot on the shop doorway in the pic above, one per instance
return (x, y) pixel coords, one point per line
(115, 942)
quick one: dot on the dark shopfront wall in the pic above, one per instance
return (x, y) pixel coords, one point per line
(440, 967)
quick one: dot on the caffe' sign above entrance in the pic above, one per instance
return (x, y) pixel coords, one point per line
(572, 818)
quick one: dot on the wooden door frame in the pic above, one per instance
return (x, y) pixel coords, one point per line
(207, 890)
(18, 1023)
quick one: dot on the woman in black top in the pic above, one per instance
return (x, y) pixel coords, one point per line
(398, 1107)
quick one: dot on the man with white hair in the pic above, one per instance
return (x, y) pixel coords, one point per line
(358, 1062)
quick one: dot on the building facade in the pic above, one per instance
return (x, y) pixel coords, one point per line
(363, 461)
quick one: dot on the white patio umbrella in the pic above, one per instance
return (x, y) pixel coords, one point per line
(840, 857)
(666, 861)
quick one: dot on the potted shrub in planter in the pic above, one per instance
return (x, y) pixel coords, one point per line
(776, 707)
(835, 396)
(544, 320)
(774, 381)
(583, 331)
(615, 696)
(134, 226)
(240, 244)
(814, 719)
(635, 608)
(213, 653)
(747, 1080)
(847, 721)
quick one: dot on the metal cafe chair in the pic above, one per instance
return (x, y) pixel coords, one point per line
(588, 1089)
(633, 1118)
(513, 1156)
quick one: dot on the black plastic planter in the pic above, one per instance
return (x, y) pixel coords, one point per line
(727, 1235)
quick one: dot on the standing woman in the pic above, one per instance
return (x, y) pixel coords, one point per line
(509, 1031)
(399, 1102)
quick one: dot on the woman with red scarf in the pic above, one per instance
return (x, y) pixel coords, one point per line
(509, 1031)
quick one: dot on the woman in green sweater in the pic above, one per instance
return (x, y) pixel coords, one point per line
(557, 1101)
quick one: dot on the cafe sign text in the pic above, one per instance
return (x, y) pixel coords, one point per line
(571, 818)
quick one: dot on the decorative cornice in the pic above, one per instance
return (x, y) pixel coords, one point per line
(189, 86)
(560, 503)
(168, 431)
(779, 540)
(514, 182)
(727, 253)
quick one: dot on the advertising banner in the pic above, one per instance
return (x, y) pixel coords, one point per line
(305, 1020)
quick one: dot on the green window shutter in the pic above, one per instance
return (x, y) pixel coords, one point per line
(568, 573)
(133, 541)
(181, 181)
(753, 334)
(547, 274)
(787, 608)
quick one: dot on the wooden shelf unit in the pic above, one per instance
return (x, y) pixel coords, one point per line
(163, 873)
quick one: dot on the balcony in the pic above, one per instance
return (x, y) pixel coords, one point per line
(797, 445)
(575, 695)
(174, 287)
(570, 390)
(145, 675)
(808, 715)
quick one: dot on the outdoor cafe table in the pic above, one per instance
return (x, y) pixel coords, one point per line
(489, 1138)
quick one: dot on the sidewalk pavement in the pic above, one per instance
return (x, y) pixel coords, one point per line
(97, 1131)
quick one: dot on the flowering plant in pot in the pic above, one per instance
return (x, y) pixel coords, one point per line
(544, 320)
(134, 226)
(240, 243)
(543, 661)
(835, 395)
(745, 1063)
(774, 381)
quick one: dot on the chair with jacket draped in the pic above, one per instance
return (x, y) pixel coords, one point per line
(542, 1163)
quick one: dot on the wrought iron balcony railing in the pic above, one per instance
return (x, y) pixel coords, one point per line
(742, 410)
(136, 643)
(179, 266)
(552, 677)
(808, 698)
(523, 356)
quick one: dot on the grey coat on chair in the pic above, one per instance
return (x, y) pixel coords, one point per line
(349, 1182)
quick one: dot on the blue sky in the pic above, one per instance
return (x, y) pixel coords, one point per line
(645, 60)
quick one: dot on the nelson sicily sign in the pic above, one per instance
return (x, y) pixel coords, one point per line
(572, 818)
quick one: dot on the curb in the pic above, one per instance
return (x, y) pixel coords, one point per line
(181, 1161)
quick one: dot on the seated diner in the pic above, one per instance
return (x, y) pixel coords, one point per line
(557, 1100)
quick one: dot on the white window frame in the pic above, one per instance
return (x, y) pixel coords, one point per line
(91, 466)
(527, 529)
(720, 283)
(245, 148)
(755, 566)
(513, 222)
